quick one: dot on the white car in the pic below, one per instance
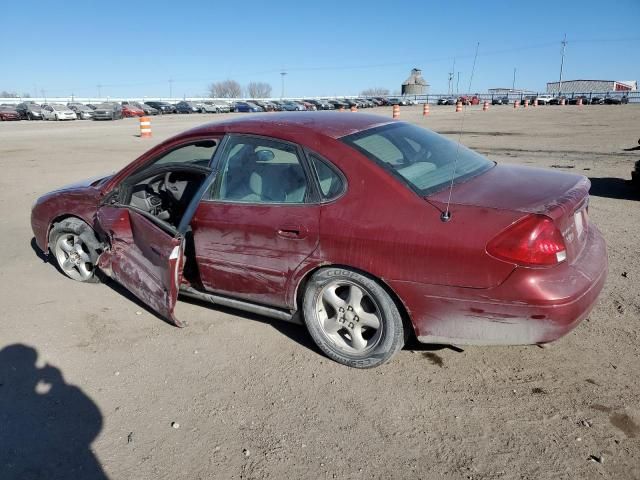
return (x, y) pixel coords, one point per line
(544, 99)
(57, 111)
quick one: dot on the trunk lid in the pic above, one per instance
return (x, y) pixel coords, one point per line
(561, 196)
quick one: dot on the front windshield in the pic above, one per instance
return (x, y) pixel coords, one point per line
(106, 105)
(421, 158)
(4, 108)
(57, 106)
(34, 108)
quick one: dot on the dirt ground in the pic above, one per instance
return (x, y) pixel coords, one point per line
(240, 396)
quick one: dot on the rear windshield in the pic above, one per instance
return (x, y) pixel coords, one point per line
(421, 158)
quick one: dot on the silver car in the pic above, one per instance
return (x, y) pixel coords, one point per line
(81, 110)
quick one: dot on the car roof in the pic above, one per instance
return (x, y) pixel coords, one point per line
(292, 124)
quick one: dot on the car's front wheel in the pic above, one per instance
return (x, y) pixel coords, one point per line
(352, 318)
(70, 242)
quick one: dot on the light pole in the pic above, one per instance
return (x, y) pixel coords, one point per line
(564, 45)
(282, 74)
(99, 90)
(170, 89)
(513, 85)
(458, 84)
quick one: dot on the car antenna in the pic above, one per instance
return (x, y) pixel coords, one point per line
(446, 215)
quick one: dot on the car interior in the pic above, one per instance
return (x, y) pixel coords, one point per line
(165, 188)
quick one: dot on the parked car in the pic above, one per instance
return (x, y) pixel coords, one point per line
(291, 106)
(321, 104)
(447, 101)
(258, 225)
(504, 100)
(397, 101)
(557, 100)
(574, 100)
(162, 107)
(265, 105)
(246, 107)
(597, 100)
(187, 107)
(108, 111)
(615, 99)
(82, 111)
(8, 112)
(338, 104)
(57, 111)
(207, 107)
(146, 109)
(92, 106)
(220, 106)
(544, 99)
(29, 111)
(129, 111)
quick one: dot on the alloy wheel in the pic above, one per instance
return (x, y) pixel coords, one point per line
(349, 317)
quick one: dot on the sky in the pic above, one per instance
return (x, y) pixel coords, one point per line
(328, 48)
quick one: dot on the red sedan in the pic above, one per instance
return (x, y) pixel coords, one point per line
(8, 113)
(131, 111)
(341, 222)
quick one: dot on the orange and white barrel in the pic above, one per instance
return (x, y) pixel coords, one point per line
(485, 106)
(354, 108)
(579, 102)
(562, 101)
(535, 102)
(526, 103)
(458, 106)
(425, 110)
(516, 103)
(396, 111)
(145, 127)
(341, 109)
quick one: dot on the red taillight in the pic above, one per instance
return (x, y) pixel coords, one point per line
(532, 241)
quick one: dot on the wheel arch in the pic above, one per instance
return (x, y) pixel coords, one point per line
(402, 308)
(94, 241)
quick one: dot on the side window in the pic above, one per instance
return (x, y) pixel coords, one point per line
(198, 154)
(257, 170)
(331, 183)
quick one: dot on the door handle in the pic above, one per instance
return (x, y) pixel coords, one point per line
(290, 232)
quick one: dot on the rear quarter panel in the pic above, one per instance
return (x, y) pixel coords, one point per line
(382, 227)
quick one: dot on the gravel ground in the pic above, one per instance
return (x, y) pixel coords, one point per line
(88, 373)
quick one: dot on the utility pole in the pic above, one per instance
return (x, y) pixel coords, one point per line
(513, 85)
(99, 90)
(282, 74)
(564, 45)
(458, 84)
(170, 89)
(451, 74)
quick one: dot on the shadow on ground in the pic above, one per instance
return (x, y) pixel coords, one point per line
(617, 188)
(46, 425)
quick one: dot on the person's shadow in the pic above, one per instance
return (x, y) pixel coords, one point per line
(46, 425)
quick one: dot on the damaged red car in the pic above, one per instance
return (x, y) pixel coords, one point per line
(367, 230)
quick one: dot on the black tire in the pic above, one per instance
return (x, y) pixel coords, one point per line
(385, 341)
(89, 243)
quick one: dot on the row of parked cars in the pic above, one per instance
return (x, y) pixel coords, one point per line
(607, 99)
(116, 110)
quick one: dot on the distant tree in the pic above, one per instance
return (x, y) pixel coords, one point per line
(5, 94)
(375, 92)
(259, 90)
(225, 89)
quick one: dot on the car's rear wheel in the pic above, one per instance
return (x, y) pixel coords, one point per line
(351, 318)
(70, 242)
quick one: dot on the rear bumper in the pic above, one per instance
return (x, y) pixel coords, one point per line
(532, 306)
